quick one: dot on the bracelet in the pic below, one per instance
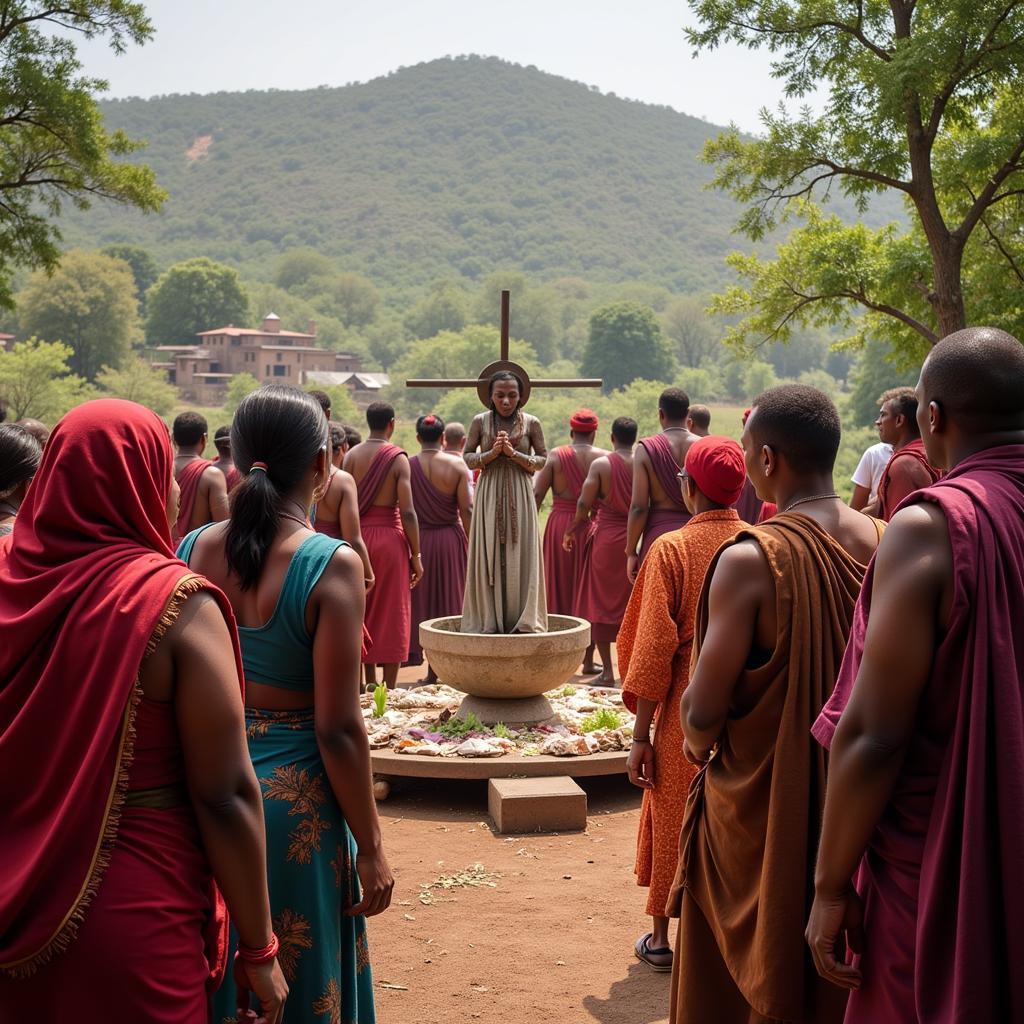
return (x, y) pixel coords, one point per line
(646, 739)
(259, 956)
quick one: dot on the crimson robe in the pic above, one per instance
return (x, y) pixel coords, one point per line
(188, 480)
(389, 605)
(914, 451)
(940, 879)
(604, 590)
(444, 544)
(663, 520)
(563, 569)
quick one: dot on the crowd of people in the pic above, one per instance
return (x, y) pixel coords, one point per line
(830, 741)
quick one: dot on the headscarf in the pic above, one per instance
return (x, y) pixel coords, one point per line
(584, 421)
(715, 464)
(86, 591)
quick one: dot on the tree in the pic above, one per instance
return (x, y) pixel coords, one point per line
(626, 344)
(872, 373)
(353, 299)
(923, 101)
(298, 266)
(239, 386)
(534, 314)
(55, 149)
(192, 296)
(137, 381)
(758, 376)
(89, 303)
(143, 268)
(688, 328)
(444, 308)
(36, 381)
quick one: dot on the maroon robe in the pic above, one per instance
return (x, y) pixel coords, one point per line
(563, 569)
(444, 545)
(188, 480)
(914, 450)
(604, 589)
(661, 520)
(940, 879)
(749, 505)
(389, 605)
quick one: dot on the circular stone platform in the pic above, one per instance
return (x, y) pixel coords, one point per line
(388, 764)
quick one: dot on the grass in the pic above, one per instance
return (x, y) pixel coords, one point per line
(603, 718)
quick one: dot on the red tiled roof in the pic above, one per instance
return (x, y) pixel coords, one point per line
(238, 332)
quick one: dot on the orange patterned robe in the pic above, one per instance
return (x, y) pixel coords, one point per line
(654, 661)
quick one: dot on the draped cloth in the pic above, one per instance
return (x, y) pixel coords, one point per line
(88, 591)
(389, 605)
(659, 520)
(654, 649)
(444, 545)
(188, 478)
(915, 452)
(505, 590)
(563, 569)
(940, 876)
(604, 590)
(744, 885)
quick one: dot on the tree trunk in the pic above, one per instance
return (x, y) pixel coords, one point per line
(948, 296)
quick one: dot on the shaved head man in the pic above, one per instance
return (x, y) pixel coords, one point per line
(926, 724)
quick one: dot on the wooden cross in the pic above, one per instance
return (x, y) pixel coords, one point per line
(481, 382)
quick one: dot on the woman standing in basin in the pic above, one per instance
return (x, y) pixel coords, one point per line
(505, 576)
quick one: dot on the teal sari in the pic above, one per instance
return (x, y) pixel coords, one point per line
(311, 870)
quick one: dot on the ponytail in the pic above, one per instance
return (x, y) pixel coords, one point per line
(276, 433)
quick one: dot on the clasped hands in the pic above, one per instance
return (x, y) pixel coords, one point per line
(503, 445)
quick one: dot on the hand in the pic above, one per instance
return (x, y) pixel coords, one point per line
(568, 540)
(640, 764)
(498, 448)
(832, 915)
(507, 450)
(632, 568)
(376, 882)
(370, 582)
(700, 757)
(415, 571)
(267, 983)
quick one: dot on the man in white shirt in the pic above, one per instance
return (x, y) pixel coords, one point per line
(868, 474)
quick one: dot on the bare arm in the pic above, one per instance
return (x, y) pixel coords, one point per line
(538, 459)
(340, 733)
(410, 524)
(859, 498)
(639, 509)
(543, 480)
(217, 495)
(348, 521)
(738, 586)
(912, 583)
(464, 496)
(591, 491)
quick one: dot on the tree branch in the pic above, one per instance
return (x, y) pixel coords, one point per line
(1004, 252)
(987, 195)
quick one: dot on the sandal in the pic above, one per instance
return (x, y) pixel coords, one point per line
(644, 952)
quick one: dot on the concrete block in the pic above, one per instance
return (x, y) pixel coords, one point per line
(537, 805)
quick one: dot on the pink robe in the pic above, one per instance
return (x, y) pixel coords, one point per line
(563, 569)
(188, 480)
(389, 605)
(604, 590)
(444, 544)
(660, 520)
(940, 879)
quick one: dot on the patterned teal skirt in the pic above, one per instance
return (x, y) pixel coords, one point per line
(311, 870)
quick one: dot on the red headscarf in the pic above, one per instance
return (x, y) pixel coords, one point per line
(583, 421)
(86, 581)
(716, 466)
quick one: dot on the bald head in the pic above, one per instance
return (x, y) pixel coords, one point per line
(976, 376)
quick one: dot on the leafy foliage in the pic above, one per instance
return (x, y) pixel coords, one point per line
(192, 296)
(138, 382)
(241, 384)
(456, 726)
(89, 303)
(603, 718)
(380, 700)
(36, 381)
(144, 270)
(626, 344)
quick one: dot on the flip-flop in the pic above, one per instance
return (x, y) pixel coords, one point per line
(644, 952)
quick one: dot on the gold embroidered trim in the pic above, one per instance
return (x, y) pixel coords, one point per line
(67, 930)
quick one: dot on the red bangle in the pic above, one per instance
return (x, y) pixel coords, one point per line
(260, 956)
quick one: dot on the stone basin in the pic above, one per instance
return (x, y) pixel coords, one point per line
(505, 675)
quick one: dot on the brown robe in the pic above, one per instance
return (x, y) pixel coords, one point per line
(744, 886)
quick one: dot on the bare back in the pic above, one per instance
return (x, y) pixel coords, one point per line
(585, 455)
(680, 441)
(357, 462)
(443, 470)
(603, 468)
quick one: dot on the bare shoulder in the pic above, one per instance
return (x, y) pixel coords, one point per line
(199, 624)
(344, 568)
(742, 566)
(919, 531)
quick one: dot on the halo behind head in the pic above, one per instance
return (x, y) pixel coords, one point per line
(486, 381)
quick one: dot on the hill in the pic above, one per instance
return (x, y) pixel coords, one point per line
(451, 168)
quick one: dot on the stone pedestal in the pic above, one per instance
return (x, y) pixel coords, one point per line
(514, 713)
(536, 805)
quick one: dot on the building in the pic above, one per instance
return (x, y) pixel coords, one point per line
(365, 387)
(202, 371)
(5, 341)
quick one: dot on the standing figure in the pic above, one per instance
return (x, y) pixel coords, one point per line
(444, 508)
(772, 624)
(698, 420)
(868, 475)
(654, 657)
(298, 598)
(505, 574)
(657, 506)
(224, 462)
(204, 490)
(602, 598)
(564, 472)
(126, 788)
(926, 766)
(20, 453)
(391, 532)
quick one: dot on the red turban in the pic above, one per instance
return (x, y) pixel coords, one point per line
(584, 421)
(715, 464)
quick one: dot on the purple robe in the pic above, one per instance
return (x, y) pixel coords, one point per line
(940, 879)
(563, 569)
(663, 463)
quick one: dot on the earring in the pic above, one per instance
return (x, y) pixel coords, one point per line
(319, 492)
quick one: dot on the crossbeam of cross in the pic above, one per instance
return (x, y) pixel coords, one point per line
(504, 363)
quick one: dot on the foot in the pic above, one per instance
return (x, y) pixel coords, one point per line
(606, 679)
(658, 959)
(590, 669)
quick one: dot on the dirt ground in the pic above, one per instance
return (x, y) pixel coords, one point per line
(550, 943)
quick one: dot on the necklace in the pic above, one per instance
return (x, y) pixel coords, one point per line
(804, 501)
(665, 430)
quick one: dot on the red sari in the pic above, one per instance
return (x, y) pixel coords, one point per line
(103, 904)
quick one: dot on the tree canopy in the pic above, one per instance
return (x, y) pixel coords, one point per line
(921, 100)
(192, 296)
(54, 148)
(89, 303)
(36, 381)
(137, 381)
(626, 344)
(144, 269)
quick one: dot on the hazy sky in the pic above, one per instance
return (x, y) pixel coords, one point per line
(635, 49)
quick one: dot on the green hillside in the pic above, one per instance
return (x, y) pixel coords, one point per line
(455, 167)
